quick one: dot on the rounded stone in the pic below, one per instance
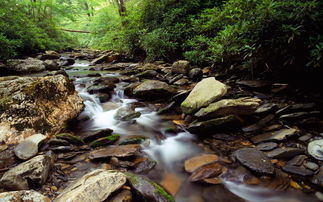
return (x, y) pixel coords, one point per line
(315, 149)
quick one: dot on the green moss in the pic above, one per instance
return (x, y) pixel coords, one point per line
(134, 140)
(5, 103)
(160, 190)
(105, 140)
(71, 138)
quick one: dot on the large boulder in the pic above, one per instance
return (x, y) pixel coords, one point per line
(23, 196)
(204, 93)
(152, 89)
(241, 106)
(26, 65)
(49, 55)
(106, 58)
(30, 105)
(33, 171)
(95, 186)
(181, 67)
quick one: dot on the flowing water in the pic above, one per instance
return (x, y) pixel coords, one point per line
(169, 150)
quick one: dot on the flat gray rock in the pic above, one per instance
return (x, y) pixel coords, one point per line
(298, 170)
(275, 136)
(284, 152)
(95, 186)
(29, 147)
(35, 170)
(255, 160)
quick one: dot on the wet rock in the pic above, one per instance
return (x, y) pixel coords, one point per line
(29, 147)
(265, 108)
(311, 165)
(115, 151)
(173, 79)
(318, 178)
(284, 152)
(57, 142)
(51, 65)
(49, 55)
(259, 125)
(207, 171)
(66, 61)
(298, 170)
(100, 89)
(97, 185)
(148, 190)
(129, 89)
(148, 74)
(7, 158)
(145, 166)
(62, 148)
(92, 135)
(123, 196)
(167, 108)
(172, 183)
(241, 106)
(34, 170)
(105, 140)
(106, 58)
(267, 146)
(275, 136)
(26, 66)
(305, 137)
(110, 106)
(23, 196)
(298, 115)
(132, 140)
(181, 96)
(315, 149)
(153, 89)
(297, 160)
(255, 160)
(181, 82)
(148, 66)
(213, 124)
(253, 83)
(126, 114)
(181, 67)
(204, 93)
(194, 163)
(70, 138)
(195, 74)
(103, 97)
(223, 136)
(30, 105)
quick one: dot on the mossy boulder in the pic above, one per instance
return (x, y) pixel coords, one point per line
(148, 190)
(132, 140)
(30, 105)
(204, 93)
(241, 106)
(105, 140)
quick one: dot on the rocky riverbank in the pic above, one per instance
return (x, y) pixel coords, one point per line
(251, 132)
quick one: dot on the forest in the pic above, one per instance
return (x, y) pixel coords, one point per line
(265, 34)
(161, 100)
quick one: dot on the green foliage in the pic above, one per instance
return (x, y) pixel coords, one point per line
(24, 29)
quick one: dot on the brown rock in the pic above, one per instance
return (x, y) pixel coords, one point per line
(206, 171)
(194, 163)
(115, 151)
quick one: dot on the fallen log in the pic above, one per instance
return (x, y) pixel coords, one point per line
(78, 31)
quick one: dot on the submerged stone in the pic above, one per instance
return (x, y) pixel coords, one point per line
(207, 171)
(284, 152)
(115, 151)
(190, 165)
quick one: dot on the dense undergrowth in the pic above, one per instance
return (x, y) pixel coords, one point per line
(244, 34)
(236, 33)
(27, 28)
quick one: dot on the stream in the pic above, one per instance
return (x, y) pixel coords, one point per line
(168, 149)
